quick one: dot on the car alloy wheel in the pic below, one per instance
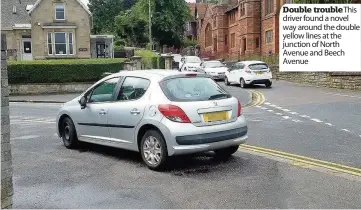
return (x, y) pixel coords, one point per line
(152, 151)
(242, 83)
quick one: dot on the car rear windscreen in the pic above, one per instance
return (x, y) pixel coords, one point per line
(258, 66)
(193, 89)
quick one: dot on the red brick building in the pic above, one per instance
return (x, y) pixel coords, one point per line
(240, 27)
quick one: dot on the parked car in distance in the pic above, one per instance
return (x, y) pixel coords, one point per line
(190, 63)
(249, 73)
(214, 68)
(159, 113)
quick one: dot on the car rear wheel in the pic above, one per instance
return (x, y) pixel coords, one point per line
(268, 84)
(68, 134)
(242, 83)
(226, 81)
(154, 150)
(226, 152)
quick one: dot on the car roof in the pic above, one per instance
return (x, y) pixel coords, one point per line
(212, 61)
(153, 73)
(251, 62)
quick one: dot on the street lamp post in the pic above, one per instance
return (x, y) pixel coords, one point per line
(150, 28)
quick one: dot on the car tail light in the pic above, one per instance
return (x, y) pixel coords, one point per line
(247, 70)
(173, 113)
(239, 109)
(191, 75)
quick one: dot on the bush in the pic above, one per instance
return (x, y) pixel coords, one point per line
(61, 71)
(149, 58)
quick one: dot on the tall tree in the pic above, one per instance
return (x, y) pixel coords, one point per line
(168, 21)
(105, 11)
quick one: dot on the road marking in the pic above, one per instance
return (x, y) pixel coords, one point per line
(329, 124)
(317, 120)
(270, 110)
(345, 130)
(278, 113)
(305, 116)
(286, 110)
(296, 120)
(338, 94)
(294, 113)
(278, 107)
(25, 137)
(264, 108)
(286, 117)
(267, 103)
(258, 106)
(305, 160)
(273, 105)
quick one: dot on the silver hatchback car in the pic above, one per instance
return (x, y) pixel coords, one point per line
(159, 113)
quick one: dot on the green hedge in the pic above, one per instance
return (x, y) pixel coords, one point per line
(61, 71)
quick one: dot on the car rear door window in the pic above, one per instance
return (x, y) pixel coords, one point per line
(193, 89)
(258, 66)
(104, 91)
(133, 88)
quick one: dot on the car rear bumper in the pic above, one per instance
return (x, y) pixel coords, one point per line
(259, 81)
(188, 138)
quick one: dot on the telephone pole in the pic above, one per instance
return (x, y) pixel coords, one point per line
(150, 28)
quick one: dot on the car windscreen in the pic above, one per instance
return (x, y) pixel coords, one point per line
(214, 64)
(193, 60)
(193, 89)
(258, 66)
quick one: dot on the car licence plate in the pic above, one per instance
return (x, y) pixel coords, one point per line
(215, 116)
(259, 72)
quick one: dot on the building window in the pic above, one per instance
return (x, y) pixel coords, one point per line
(242, 9)
(269, 36)
(60, 11)
(289, 1)
(257, 42)
(232, 18)
(60, 43)
(215, 22)
(269, 6)
(71, 44)
(50, 44)
(226, 40)
(208, 35)
(233, 40)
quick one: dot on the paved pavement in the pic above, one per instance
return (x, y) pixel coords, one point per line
(47, 175)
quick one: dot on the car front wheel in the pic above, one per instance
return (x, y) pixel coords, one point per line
(154, 150)
(68, 134)
(226, 81)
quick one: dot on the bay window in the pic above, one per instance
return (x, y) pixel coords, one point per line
(60, 43)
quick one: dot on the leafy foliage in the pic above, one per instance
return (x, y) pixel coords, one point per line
(168, 20)
(61, 71)
(190, 42)
(105, 11)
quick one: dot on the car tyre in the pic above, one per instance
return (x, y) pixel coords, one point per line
(68, 134)
(268, 84)
(242, 83)
(154, 151)
(226, 81)
(226, 152)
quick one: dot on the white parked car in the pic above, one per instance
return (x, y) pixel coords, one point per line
(214, 68)
(249, 73)
(190, 63)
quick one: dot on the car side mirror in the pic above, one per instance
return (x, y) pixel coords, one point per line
(82, 102)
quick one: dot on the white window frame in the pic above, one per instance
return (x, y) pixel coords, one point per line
(52, 42)
(55, 10)
(66, 43)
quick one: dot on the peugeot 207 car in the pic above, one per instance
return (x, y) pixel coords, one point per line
(249, 73)
(159, 113)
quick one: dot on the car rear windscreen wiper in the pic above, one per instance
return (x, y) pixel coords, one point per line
(221, 95)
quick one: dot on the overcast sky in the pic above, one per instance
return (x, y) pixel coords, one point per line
(87, 1)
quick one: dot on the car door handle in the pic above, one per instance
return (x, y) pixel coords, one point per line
(135, 112)
(102, 112)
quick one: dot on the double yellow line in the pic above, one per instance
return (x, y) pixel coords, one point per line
(257, 98)
(303, 161)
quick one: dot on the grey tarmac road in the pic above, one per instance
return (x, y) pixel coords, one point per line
(47, 175)
(314, 122)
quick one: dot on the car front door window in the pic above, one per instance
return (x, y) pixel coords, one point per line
(104, 92)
